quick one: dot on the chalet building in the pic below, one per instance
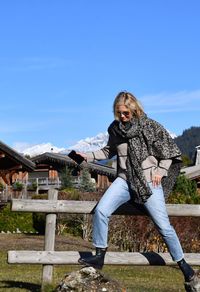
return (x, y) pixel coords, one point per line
(197, 155)
(193, 172)
(12, 163)
(13, 166)
(49, 166)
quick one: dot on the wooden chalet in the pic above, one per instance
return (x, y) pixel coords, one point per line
(13, 167)
(197, 160)
(193, 172)
(13, 164)
(51, 165)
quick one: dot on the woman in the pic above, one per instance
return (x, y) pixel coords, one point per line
(148, 162)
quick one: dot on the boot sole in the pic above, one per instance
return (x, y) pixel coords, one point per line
(82, 262)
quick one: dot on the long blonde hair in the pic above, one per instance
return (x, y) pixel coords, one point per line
(130, 101)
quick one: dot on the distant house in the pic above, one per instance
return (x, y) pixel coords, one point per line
(13, 166)
(197, 160)
(11, 163)
(193, 172)
(51, 165)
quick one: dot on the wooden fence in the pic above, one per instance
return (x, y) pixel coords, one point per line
(49, 257)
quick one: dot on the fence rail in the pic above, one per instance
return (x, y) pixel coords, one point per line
(49, 257)
(112, 258)
(87, 207)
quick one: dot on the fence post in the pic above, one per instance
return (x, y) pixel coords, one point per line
(37, 190)
(49, 241)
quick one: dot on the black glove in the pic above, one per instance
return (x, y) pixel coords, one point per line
(76, 157)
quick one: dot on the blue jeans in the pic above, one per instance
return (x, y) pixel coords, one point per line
(117, 194)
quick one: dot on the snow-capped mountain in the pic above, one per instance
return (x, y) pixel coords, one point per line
(172, 134)
(96, 143)
(91, 144)
(84, 145)
(37, 149)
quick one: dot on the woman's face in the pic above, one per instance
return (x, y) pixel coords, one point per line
(123, 113)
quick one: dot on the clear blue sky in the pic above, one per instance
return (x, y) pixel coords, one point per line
(62, 63)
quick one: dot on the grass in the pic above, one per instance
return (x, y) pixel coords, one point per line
(26, 277)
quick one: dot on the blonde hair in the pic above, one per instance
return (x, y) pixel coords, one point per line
(130, 101)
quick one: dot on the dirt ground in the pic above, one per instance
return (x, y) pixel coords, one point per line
(36, 242)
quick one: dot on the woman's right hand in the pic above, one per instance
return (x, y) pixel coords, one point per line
(83, 155)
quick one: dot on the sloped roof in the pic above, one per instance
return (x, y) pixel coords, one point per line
(192, 172)
(62, 159)
(11, 159)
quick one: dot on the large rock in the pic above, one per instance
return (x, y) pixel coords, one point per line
(88, 279)
(194, 285)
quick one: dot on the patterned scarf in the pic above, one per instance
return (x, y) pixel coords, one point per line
(145, 137)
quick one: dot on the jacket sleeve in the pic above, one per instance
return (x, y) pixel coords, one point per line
(163, 167)
(106, 152)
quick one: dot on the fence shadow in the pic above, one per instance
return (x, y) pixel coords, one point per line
(154, 258)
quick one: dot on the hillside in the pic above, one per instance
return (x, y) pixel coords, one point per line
(188, 141)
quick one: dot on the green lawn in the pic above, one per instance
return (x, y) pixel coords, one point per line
(28, 277)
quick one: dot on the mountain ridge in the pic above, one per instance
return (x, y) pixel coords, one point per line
(84, 145)
(188, 141)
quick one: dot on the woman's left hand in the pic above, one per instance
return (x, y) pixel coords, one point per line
(156, 181)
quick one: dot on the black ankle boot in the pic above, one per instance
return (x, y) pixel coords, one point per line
(187, 270)
(95, 261)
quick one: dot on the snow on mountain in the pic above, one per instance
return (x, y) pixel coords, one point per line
(84, 145)
(37, 149)
(91, 144)
(172, 134)
(96, 143)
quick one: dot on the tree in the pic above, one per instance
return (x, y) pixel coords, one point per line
(66, 178)
(185, 191)
(185, 186)
(18, 186)
(86, 183)
(188, 141)
(27, 156)
(186, 160)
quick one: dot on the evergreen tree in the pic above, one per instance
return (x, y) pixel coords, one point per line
(66, 178)
(185, 192)
(185, 186)
(186, 160)
(86, 183)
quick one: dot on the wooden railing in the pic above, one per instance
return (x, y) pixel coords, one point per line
(49, 257)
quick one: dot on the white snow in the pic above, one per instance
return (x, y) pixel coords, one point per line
(34, 150)
(84, 145)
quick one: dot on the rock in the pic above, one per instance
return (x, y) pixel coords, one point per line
(88, 279)
(194, 285)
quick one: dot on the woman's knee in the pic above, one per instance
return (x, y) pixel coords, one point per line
(101, 212)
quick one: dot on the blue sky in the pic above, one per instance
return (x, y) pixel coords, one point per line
(62, 63)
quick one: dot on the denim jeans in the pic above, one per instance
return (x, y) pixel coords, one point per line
(117, 194)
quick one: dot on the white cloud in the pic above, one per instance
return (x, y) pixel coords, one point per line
(172, 102)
